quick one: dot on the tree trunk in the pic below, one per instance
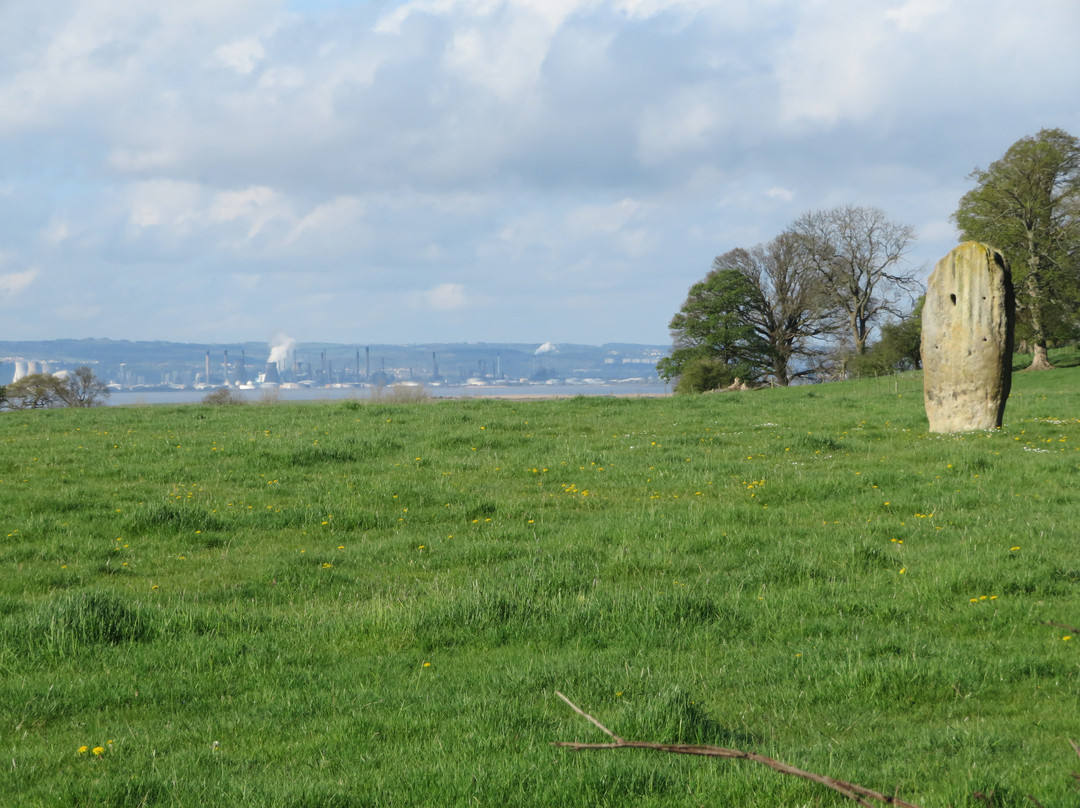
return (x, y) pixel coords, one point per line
(780, 371)
(1039, 360)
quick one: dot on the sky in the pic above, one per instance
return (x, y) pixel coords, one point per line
(478, 170)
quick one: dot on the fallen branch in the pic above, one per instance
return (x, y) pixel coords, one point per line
(850, 790)
(1065, 626)
(1076, 749)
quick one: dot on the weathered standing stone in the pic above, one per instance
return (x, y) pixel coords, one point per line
(967, 340)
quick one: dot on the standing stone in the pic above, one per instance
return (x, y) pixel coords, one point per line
(967, 340)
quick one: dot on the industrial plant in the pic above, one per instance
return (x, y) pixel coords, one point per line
(284, 364)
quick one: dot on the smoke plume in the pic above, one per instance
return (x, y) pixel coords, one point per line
(281, 351)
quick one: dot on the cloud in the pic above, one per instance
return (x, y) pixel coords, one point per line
(427, 161)
(243, 55)
(914, 15)
(13, 283)
(446, 297)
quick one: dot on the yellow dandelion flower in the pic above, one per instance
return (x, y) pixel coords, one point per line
(83, 750)
(98, 750)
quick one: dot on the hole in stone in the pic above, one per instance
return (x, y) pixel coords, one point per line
(953, 299)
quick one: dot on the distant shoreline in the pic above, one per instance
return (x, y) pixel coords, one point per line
(124, 398)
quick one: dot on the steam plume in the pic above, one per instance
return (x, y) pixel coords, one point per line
(281, 351)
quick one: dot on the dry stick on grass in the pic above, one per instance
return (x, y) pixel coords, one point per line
(1065, 626)
(849, 790)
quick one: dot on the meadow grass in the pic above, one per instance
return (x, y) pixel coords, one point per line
(372, 604)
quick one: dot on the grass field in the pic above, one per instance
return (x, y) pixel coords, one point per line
(372, 604)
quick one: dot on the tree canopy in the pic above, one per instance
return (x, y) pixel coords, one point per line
(713, 333)
(1027, 204)
(859, 254)
(81, 388)
(790, 307)
(84, 389)
(774, 310)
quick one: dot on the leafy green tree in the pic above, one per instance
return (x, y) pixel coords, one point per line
(899, 349)
(790, 309)
(860, 256)
(703, 373)
(36, 391)
(713, 334)
(1027, 204)
(901, 341)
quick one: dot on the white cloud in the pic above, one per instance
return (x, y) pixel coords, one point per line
(173, 203)
(335, 215)
(12, 283)
(136, 161)
(913, 15)
(446, 296)
(57, 231)
(255, 207)
(686, 123)
(243, 55)
(602, 218)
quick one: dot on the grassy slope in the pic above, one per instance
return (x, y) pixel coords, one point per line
(351, 604)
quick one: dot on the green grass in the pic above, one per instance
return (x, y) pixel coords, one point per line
(372, 604)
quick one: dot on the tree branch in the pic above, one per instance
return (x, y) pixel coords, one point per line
(850, 790)
(1067, 627)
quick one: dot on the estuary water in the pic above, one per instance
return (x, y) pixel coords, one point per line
(516, 391)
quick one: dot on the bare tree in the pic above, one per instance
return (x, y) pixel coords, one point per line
(859, 255)
(792, 308)
(84, 389)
